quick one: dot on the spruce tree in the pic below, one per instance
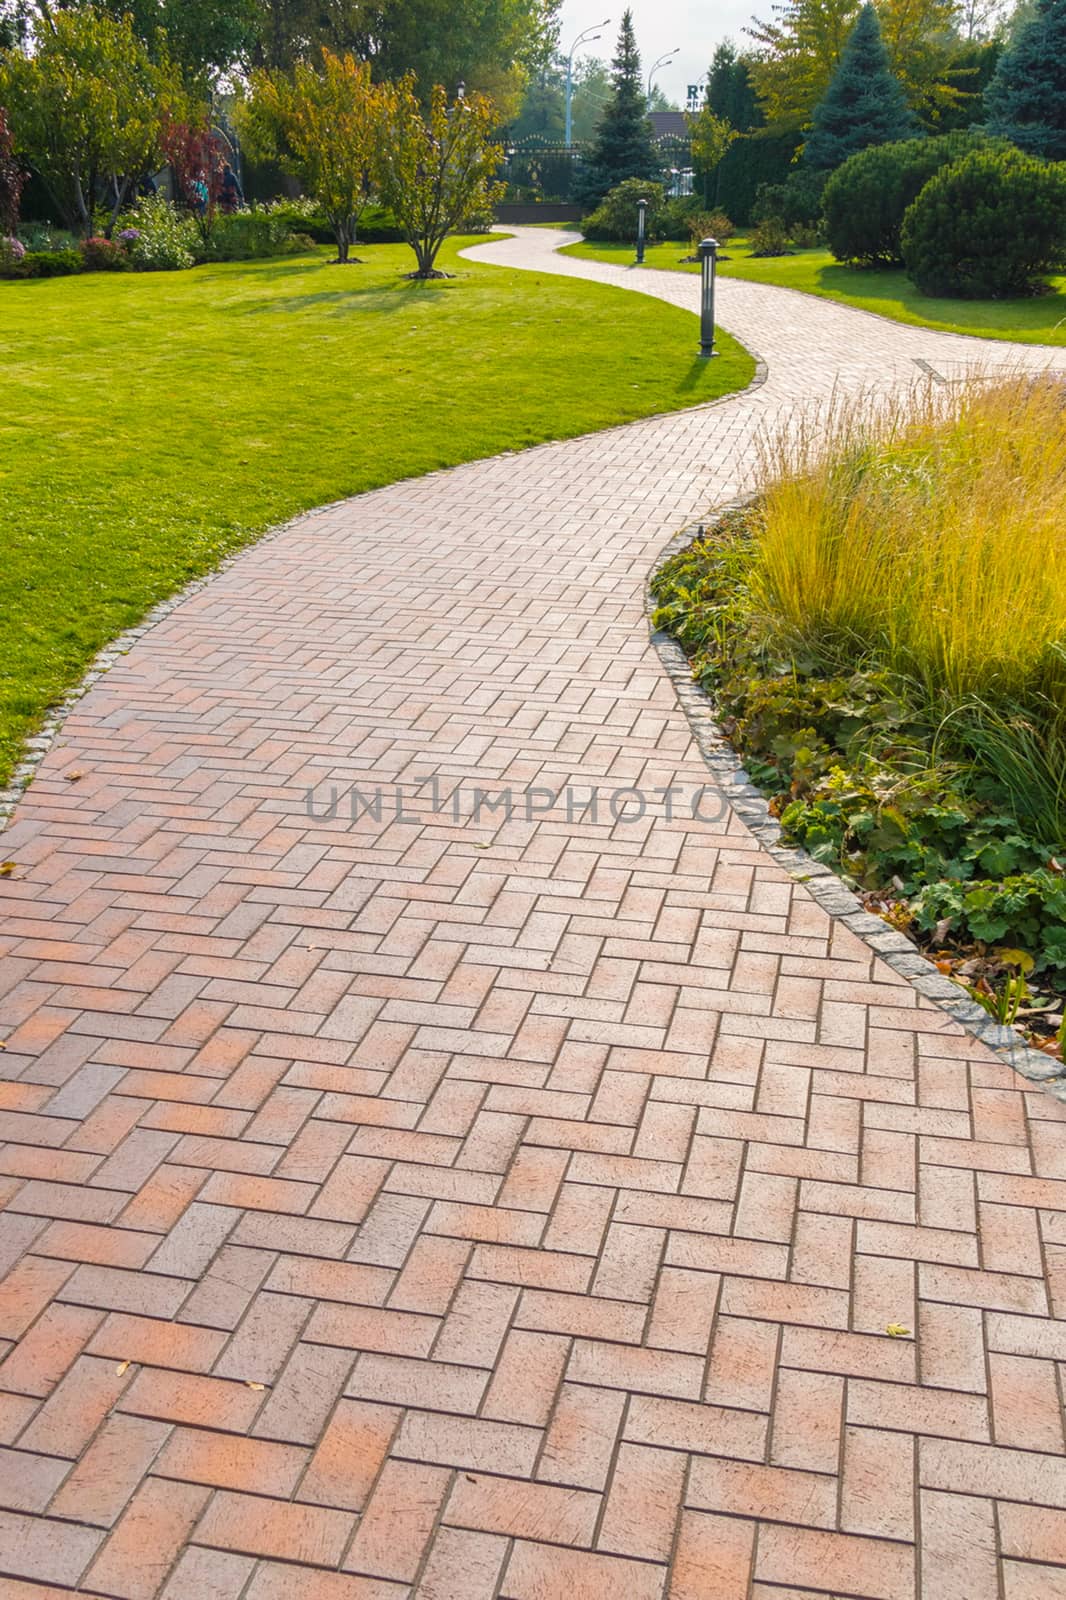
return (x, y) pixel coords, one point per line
(864, 103)
(1026, 100)
(624, 146)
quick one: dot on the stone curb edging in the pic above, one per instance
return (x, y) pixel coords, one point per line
(894, 948)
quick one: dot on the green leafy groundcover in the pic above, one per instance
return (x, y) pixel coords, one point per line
(868, 783)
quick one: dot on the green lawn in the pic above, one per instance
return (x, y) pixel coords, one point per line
(154, 422)
(889, 293)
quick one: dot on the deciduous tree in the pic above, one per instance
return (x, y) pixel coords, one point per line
(323, 126)
(436, 166)
(84, 110)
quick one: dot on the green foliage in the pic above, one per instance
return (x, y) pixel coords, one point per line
(863, 771)
(1026, 99)
(623, 147)
(749, 163)
(616, 215)
(84, 108)
(769, 238)
(796, 201)
(323, 123)
(1023, 911)
(989, 226)
(864, 103)
(435, 167)
(167, 241)
(730, 93)
(251, 235)
(44, 264)
(866, 198)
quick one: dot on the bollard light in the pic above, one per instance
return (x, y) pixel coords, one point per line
(708, 254)
(642, 213)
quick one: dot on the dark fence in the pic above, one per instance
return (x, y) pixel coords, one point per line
(533, 211)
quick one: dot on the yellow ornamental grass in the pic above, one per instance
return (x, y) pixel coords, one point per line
(928, 533)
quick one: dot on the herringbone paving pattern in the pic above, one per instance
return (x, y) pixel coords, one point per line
(400, 1203)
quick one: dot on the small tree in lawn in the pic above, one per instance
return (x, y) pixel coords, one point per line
(12, 178)
(865, 103)
(84, 110)
(1026, 100)
(323, 126)
(624, 146)
(197, 159)
(710, 136)
(436, 167)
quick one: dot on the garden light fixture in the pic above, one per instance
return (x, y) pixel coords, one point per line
(708, 254)
(642, 222)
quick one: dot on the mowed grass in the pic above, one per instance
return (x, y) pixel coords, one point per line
(154, 422)
(889, 293)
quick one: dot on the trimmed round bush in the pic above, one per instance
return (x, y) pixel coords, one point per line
(616, 215)
(866, 197)
(987, 227)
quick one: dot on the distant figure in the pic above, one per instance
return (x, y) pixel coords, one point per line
(232, 196)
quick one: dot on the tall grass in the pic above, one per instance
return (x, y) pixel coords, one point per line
(929, 534)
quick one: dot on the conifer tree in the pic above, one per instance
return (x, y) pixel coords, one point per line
(1026, 100)
(864, 104)
(624, 146)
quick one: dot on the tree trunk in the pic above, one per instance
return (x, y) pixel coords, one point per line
(342, 243)
(120, 200)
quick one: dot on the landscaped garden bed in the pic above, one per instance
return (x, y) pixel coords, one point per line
(882, 634)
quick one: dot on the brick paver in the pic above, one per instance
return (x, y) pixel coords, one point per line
(420, 1206)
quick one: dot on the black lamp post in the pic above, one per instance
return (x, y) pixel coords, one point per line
(708, 254)
(642, 213)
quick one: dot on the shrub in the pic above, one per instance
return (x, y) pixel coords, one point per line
(796, 200)
(858, 627)
(11, 250)
(675, 218)
(104, 255)
(709, 225)
(249, 236)
(128, 237)
(987, 227)
(615, 218)
(43, 264)
(865, 199)
(770, 238)
(166, 240)
(45, 236)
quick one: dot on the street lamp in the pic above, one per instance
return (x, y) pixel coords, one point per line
(642, 213)
(588, 35)
(708, 254)
(669, 56)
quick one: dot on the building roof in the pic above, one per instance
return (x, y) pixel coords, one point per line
(669, 124)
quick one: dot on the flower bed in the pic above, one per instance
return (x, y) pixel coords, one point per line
(882, 635)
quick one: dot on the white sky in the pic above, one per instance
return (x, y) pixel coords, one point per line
(694, 25)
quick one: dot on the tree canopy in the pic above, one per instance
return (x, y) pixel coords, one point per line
(624, 146)
(1026, 99)
(85, 110)
(864, 103)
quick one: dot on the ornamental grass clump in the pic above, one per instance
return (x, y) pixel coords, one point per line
(928, 533)
(883, 635)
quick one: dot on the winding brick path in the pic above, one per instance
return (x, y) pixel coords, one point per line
(427, 1207)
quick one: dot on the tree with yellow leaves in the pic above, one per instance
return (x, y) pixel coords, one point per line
(323, 125)
(435, 167)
